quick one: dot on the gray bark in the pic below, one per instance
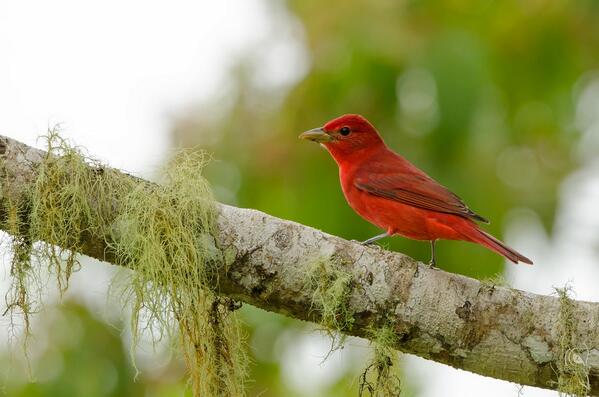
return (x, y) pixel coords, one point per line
(490, 330)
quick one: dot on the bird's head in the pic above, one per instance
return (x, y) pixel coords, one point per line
(346, 136)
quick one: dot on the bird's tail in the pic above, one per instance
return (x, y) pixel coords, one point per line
(483, 238)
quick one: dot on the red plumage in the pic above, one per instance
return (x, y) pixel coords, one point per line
(390, 192)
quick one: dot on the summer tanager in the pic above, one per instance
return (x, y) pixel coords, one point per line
(390, 192)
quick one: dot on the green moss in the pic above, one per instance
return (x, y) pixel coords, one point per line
(381, 377)
(331, 286)
(572, 370)
(496, 280)
(18, 299)
(164, 233)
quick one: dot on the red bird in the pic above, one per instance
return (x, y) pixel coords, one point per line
(390, 192)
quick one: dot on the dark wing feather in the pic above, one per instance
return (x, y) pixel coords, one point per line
(408, 185)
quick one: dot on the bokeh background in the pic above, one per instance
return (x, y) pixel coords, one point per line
(499, 100)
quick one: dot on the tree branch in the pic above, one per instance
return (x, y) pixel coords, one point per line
(491, 330)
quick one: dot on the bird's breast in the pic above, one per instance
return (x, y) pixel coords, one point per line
(360, 201)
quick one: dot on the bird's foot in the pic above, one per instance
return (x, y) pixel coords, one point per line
(431, 264)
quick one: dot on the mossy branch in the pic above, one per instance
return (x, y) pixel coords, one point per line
(163, 233)
(494, 331)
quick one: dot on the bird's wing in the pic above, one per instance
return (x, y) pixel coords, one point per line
(408, 185)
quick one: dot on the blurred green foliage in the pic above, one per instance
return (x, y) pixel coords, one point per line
(74, 354)
(481, 95)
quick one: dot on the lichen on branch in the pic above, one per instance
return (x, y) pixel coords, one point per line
(331, 284)
(381, 377)
(572, 369)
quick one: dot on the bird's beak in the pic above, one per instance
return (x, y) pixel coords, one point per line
(316, 135)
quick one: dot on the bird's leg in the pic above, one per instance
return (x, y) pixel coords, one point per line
(433, 260)
(375, 238)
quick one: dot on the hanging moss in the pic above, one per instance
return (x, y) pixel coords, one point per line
(381, 377)
(332, 287)
(164, 233)
(572, 370)
(18, 298)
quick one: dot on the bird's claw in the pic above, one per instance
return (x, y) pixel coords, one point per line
(367, 244)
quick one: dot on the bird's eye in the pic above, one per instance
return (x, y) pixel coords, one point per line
(344, 131)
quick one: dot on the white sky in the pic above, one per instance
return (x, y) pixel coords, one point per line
(114, 72)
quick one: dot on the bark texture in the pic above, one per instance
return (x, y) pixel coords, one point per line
(491, 330)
